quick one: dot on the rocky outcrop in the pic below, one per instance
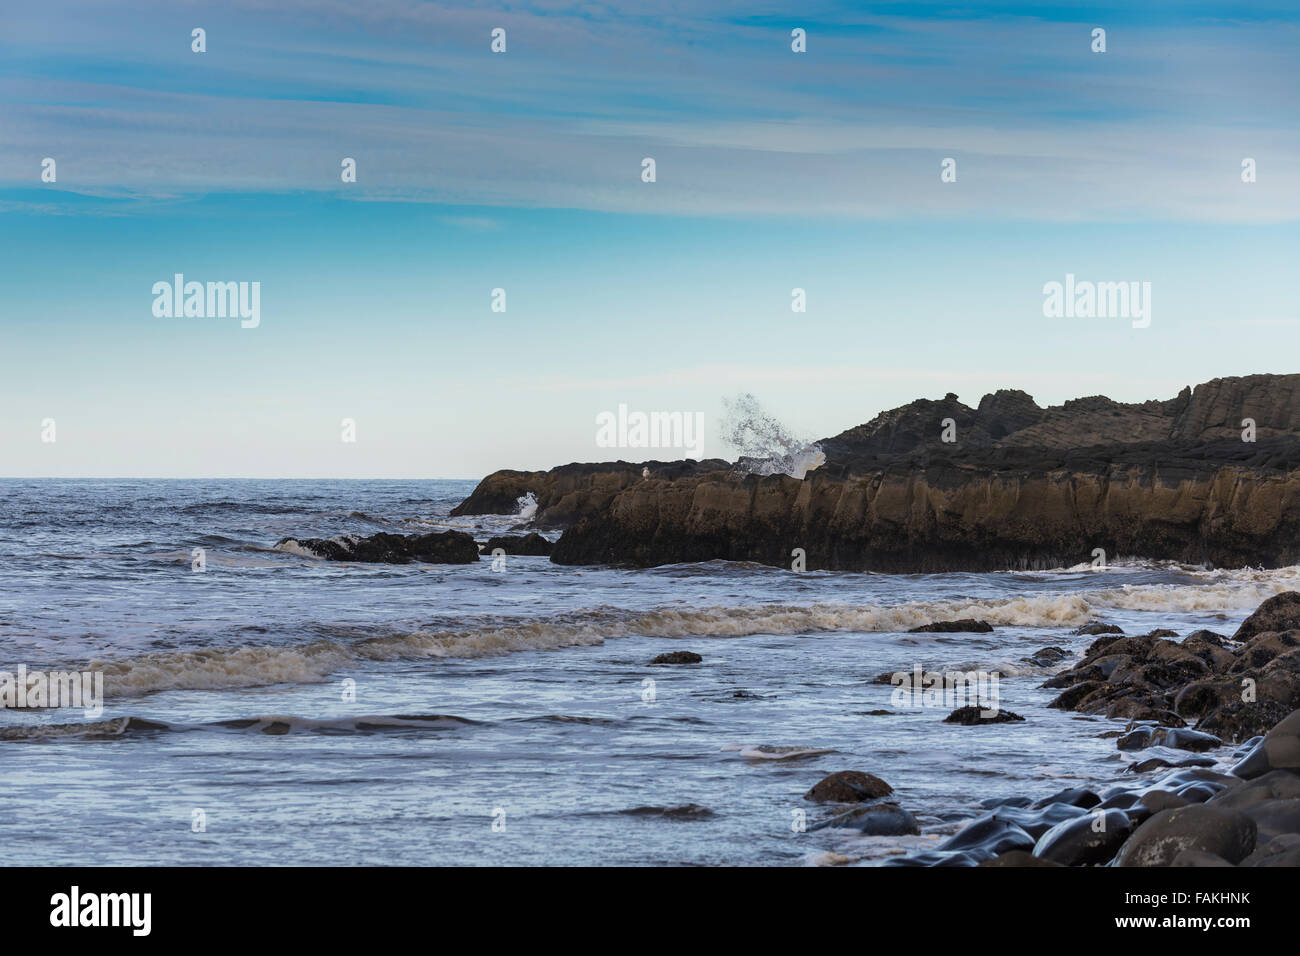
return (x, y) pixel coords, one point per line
(1020, 488)
(965, 626)
(565, 494)
(447, 547)
(1232, 688)
(947, 517)
(972, 715)
(526, 544)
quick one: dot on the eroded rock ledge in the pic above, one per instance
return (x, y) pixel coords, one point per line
(1022, 487)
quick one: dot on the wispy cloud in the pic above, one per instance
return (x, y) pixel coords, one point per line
(1041, 128)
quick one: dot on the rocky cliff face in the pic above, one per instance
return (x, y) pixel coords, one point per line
(1021, 487)
(570, 492)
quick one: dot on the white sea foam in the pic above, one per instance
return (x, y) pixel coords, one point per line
(291, 546)
(770, 752)
(1230, 591)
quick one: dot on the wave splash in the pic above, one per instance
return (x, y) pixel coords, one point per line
(764, 444)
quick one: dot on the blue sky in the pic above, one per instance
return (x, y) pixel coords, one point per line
(521, 171)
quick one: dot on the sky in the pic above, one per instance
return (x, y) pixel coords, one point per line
(522, 170)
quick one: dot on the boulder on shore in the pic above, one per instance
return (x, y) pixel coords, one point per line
(1228, 834)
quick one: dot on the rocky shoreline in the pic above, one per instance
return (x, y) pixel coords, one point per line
(1207, 477)
(1186, 814)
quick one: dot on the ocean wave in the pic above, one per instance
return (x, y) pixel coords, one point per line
(272, 725)
(771, 752)
(217, 668)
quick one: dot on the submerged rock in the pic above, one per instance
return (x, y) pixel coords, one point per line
(678, 657)
(964, 626)
(1176, 738)
(1087, 840)
(1047, 656)
(1159, 757)
(686, 811)
(1038, 820)
(973, 714)
(882, 819)
(989, 836)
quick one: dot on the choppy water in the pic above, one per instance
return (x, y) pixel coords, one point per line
(520, 691)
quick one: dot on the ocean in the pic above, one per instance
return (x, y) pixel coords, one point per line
(275, 708)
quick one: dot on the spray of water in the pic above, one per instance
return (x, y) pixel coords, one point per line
(765, 446)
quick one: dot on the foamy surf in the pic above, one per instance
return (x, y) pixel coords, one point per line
(273, 725)
(250, 666)
(774, 752)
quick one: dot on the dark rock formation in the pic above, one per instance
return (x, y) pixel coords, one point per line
(964, 626)
(528, 544)
(1017, 858)
(1074, 797)
(1086, 840)
(1047, 656)
(1228, 834)
(1098, 628)
(1230, 689)
(447, 547)
(678, 657)
(848, 786)
(1022, 487)
(971, 715)
(1177, 738)
(1279, 750)
(882, 819)
(1279, 613)
(569, 492)
(1190, 817)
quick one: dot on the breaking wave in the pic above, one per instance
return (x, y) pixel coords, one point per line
(272, 725)
(249, 666)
